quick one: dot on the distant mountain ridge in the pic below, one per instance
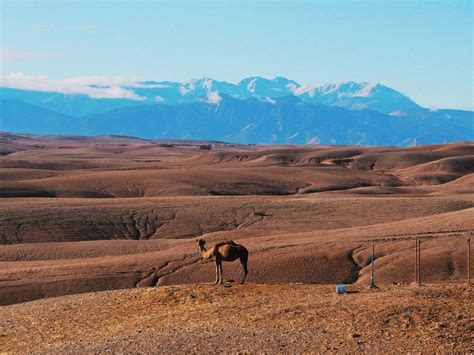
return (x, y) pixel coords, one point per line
(254, 110)
(350, 95)
(286, 119)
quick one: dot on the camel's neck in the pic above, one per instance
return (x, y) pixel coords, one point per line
(206, 254)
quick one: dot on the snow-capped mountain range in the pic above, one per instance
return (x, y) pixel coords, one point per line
(350, 95)
(254, 110)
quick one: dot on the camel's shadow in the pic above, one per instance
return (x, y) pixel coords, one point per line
(229, 283)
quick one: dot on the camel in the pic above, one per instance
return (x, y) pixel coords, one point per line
(224, 251)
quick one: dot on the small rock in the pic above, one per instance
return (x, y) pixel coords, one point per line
(322, 330)
(355, 335)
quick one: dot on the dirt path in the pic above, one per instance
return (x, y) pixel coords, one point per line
(203, 318)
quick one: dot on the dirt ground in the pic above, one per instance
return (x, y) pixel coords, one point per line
(249, 318)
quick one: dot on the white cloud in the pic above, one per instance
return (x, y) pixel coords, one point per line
(92, 86)
(213, 97)
(110, 81)
(15, 55)
(113, 92)
(159, 99)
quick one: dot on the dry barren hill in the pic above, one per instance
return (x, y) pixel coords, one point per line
(249, 318)
(81, 214)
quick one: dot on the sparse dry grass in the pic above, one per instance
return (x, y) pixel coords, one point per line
(248, 318)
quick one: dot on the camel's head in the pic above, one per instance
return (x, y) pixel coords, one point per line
(201, 243)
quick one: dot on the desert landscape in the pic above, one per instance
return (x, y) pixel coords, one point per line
(87, 214)
(237, 177)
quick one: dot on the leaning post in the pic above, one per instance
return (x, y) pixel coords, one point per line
(419, 262)
(416, 259)
(469, 260)
(372, 269)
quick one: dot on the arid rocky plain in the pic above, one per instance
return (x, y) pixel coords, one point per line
(85, 214)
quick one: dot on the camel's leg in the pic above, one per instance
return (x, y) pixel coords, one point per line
(217, 271)
(243, 260)
(221, 281)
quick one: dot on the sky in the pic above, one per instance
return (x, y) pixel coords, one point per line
(422, 48)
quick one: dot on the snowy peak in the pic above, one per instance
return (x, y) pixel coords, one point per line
(340, 89)
(357, 95)
(261, 87)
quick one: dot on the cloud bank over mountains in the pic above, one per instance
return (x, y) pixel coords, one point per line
(93, 86)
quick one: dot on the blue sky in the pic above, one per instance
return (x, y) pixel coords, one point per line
(421, 48)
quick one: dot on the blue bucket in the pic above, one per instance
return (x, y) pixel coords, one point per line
(340, 289)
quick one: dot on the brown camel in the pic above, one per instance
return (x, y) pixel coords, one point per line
(224, 251)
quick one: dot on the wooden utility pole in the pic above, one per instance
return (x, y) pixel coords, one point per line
(372, 269)
(469, 260)
(416, 260)
(419, 262)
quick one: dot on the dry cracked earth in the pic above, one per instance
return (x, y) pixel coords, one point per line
(87, 214)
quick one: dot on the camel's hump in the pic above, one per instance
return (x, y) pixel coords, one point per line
(231, 242)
